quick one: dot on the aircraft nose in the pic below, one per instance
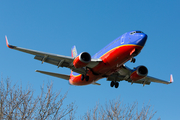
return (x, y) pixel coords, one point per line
(142, 39)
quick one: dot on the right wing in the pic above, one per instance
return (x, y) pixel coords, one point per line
(58, 60)
(125, 72)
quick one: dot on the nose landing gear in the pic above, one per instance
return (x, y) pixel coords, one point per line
(114, 83)
(133, 60)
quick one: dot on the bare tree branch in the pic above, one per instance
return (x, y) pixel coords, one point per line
(16, 103)
(116, 110)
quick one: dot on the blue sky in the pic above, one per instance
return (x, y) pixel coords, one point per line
(55, 26)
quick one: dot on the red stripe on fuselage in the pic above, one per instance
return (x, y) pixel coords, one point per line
(112, 60)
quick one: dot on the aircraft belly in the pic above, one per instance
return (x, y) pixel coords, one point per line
(112, 62)
(114, 59)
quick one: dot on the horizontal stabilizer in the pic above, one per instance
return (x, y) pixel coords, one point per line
(96, 83)
(66, 77)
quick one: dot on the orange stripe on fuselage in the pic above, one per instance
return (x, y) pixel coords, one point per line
(112, 60)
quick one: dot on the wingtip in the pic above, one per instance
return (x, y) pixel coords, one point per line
(7, 43)
(171, 78)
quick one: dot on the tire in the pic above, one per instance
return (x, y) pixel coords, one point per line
(112, 84)
(116, 85)
(82, 77)
(87, 78)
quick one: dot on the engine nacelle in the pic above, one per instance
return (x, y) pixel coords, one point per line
(139, 73)
(82, 60)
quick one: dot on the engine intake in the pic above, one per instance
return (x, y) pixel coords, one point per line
(82, 60)
(139, 73)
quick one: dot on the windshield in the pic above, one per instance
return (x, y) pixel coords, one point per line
(135, 32)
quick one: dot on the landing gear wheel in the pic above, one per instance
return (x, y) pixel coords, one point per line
(87, 78)
(112, 83)
(116, 85)
(82, 77)
(133, 60)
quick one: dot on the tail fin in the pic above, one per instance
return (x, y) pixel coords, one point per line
(74, 52)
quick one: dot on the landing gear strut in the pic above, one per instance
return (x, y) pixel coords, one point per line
(85, 76)
(114, 83)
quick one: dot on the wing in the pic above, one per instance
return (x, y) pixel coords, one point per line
(152, 79)
(125, 72)
(55, 59)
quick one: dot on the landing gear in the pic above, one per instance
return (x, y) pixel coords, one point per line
(114, 83)
(84, 76)
(87, 78)
(133, 60)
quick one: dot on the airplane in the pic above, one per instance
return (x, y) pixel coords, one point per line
(108, 63)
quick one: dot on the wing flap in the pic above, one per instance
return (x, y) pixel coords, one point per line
(66, 77)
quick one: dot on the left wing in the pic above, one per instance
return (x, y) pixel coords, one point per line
(55, 59)
(125, 72)
(152, 79)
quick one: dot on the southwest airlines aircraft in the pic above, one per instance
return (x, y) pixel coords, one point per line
(107, 63)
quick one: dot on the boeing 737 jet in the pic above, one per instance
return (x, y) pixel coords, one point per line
(107, 63)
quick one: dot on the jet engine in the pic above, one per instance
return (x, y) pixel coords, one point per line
(139, 73)
(82, 60)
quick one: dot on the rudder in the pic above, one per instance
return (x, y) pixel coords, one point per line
(74, 52)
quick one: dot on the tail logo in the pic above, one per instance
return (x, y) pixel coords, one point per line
(74, 52)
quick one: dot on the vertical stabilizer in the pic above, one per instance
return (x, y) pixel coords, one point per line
(74, 52)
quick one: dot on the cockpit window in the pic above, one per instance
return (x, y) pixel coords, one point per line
(135, 32)
(139, 32)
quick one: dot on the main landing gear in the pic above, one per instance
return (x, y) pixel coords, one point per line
(84, 77)
(114, 83)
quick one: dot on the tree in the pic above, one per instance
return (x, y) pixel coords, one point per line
(16, 103)
(116, 110)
